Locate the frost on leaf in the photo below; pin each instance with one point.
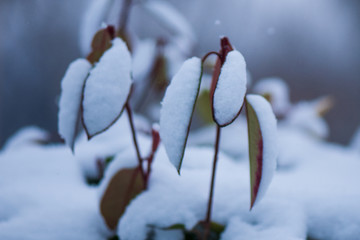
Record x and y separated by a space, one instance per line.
70 99
107 89
230 89
262 145
177 109
121 189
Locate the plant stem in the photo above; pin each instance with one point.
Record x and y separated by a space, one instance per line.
140 160
208 54
208 214
124 15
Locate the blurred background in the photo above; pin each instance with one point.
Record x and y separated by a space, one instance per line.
313 45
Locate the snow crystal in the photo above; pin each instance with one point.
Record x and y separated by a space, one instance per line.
70 99
177 108
267 122
230 89
278 92
107 88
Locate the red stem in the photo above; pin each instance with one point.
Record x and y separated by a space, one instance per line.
140 160
208 54
209 207
124 15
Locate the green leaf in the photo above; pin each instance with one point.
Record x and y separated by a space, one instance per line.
203 107
198 231
176 226
121 189
100 43
262 144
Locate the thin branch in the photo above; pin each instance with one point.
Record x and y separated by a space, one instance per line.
208 54
124 15
140 160
209 207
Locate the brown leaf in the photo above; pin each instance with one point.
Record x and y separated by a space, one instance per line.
100 43
125 185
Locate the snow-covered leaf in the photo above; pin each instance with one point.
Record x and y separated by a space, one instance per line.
107 89
70 99
177 109
100 43
230 89
123 186
262 145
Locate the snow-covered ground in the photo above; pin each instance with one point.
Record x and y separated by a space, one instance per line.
314 192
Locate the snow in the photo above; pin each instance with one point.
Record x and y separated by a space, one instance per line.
172 206
230 89
315 196
177 109
109 144
267 122
107 88
278 92
305 116
44 197
25 137
70 99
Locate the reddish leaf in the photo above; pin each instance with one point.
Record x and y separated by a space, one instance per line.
121 189
262 145
100 43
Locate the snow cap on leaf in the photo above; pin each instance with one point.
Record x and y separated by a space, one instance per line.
177 109
263 149
70 99
107 89
230 89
